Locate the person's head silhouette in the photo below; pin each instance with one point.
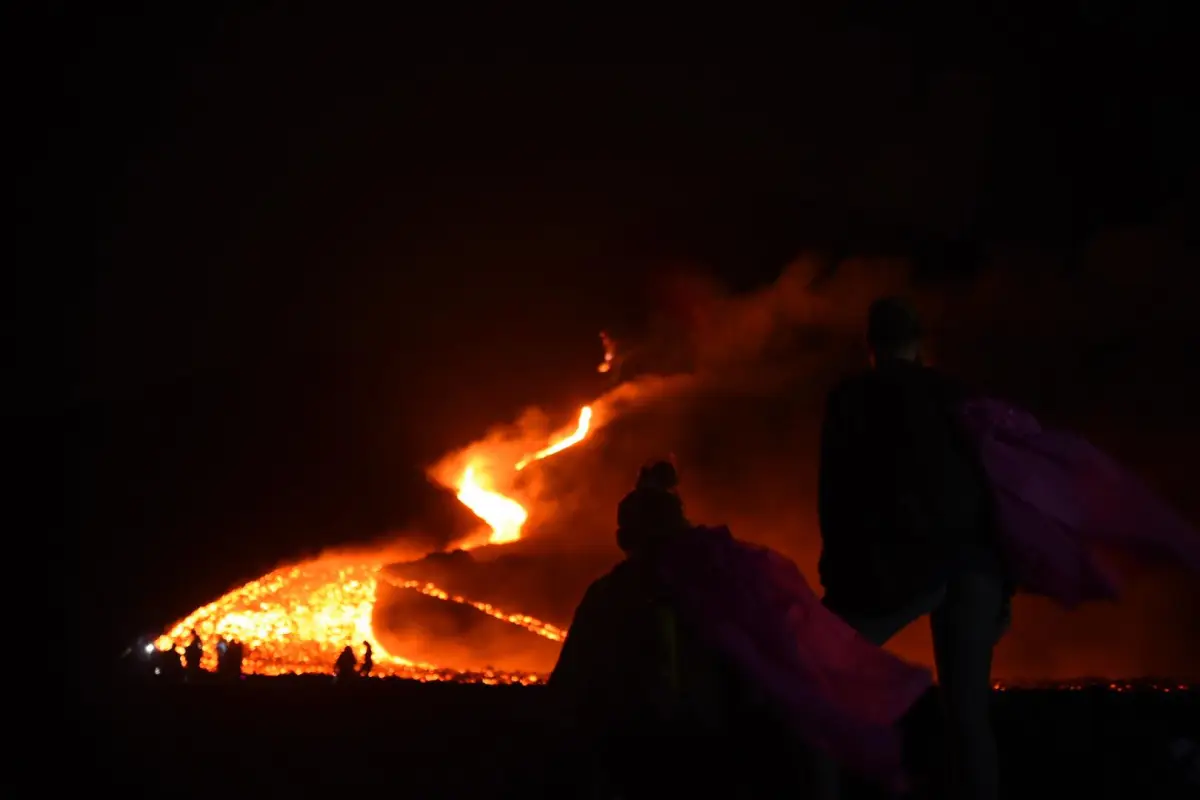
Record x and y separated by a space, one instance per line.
652 511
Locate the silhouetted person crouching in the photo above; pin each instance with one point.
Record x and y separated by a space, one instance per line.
660 710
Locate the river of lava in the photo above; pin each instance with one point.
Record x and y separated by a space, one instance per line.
297 619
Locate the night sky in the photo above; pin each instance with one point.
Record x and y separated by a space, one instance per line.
291 259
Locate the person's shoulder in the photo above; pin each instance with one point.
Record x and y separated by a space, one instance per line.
595 597
601 584
606 583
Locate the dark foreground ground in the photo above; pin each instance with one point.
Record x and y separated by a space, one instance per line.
306 738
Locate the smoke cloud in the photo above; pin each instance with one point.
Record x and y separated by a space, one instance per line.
737 393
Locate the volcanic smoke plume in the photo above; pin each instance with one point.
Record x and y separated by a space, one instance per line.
737 399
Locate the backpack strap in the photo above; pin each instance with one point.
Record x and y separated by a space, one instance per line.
668 626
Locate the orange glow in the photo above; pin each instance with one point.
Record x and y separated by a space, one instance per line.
543 629
298 619
581 431
504 515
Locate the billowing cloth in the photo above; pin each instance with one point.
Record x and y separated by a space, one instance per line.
1058 499
841 694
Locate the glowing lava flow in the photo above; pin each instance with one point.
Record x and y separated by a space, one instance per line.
581 430
502 514
298 619
531 624
295 619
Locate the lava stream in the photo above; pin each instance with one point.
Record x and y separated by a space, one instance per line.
504 515
531 624
581 430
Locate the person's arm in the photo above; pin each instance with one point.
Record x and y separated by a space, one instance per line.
584 690
576 659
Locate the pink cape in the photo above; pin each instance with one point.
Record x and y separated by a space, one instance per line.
841 693
1058 499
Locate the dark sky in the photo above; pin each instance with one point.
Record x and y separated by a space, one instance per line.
293 258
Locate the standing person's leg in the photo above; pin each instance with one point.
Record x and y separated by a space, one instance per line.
880 629
965 629
826 773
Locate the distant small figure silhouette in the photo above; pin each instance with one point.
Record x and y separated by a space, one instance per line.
230 654
192 654
345 664
167 664
368 663
237 653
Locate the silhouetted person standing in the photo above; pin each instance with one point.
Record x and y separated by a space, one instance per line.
193 654
237 653
169 664
906 530
368 661
345 664
230 653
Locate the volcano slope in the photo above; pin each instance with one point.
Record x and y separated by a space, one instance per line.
503 597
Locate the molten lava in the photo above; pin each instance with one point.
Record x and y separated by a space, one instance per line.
581 431
531 624
295 619
298 619
504 515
